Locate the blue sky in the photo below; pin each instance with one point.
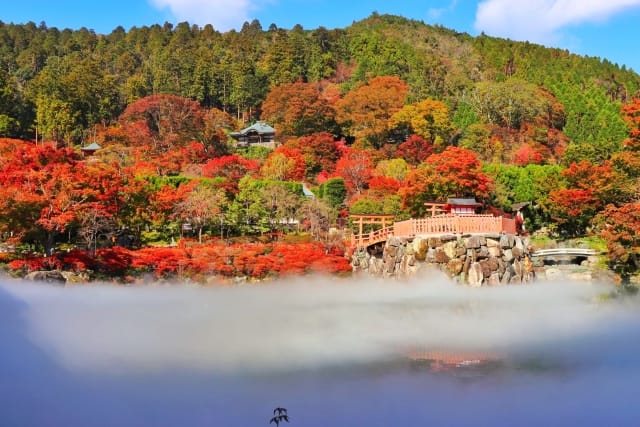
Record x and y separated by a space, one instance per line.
602 28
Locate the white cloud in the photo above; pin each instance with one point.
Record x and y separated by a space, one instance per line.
222 14
437 12
542 21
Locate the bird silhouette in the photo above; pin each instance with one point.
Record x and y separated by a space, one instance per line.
280 415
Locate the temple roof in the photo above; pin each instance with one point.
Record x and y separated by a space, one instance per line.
460 201
92 147
258 127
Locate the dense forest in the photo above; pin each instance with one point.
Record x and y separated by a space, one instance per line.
378 117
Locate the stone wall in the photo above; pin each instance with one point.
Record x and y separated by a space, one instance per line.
475 260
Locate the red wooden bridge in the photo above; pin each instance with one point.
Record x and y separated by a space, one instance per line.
433 226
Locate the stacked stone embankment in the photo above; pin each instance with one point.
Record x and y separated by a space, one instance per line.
475 260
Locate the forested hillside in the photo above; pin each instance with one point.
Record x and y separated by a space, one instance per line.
378 117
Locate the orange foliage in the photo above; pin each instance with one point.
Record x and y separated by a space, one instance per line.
526 154
367 110
631 115
414 150
620 227
356 167
256 260
297 109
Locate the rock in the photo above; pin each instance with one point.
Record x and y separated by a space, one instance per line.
394 241
552 273
493 264
507 241
506 278
486 268
502 266
494 279
461 251
584 276
434 242
431 255
475 276
495 251
454 267
474 242
376 266
516 252
390 266
450 249
420 247
493 243
517 267
507 255
441 256
466 266
240 280
54 277
391 251
471 253
411 260
482 252
73 278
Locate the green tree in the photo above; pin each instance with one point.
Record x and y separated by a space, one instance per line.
334 192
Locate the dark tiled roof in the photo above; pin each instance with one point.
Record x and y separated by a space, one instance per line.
463 201
92 146
259 127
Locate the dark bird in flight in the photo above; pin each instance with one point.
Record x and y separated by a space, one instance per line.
280 415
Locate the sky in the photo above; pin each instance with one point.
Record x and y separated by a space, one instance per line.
600 28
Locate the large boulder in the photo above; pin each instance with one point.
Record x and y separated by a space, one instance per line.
420 248
441 256
507 241
475 276
474 242
454 267
450 248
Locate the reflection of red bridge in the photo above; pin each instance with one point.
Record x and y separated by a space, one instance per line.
436 225
440 361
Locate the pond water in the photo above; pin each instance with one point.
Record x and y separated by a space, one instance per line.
331 351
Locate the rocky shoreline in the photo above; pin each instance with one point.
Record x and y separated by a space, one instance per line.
475 260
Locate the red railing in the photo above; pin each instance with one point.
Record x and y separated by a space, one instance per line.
450 224
373 237
440 224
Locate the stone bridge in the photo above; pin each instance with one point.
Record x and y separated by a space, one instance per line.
569 252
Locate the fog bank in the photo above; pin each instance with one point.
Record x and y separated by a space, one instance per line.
175 355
